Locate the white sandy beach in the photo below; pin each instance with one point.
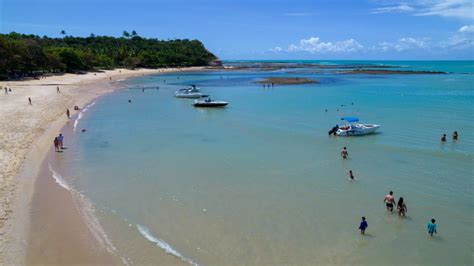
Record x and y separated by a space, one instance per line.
26 133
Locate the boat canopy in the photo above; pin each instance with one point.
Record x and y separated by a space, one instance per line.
350 119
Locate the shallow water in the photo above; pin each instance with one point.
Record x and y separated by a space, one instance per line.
260 182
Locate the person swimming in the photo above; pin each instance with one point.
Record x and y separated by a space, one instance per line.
432 227
351 175
363 225
344 153
443 138
401 207
389 201
455 135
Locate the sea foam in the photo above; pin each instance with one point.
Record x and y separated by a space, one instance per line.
163 245
87 211
79 116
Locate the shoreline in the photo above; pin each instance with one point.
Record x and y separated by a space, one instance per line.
26 140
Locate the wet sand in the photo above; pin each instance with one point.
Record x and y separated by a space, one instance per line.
57 233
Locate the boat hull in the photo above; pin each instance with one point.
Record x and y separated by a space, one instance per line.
188 95
210 104
359 130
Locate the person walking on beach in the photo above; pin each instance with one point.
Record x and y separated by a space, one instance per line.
351 175
29 100
57 90
68 113
6 90
61 141
56 144
344 153
432 227
443 138
455 135
363 225
401 207
389 201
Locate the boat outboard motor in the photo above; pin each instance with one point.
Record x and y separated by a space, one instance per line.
333 130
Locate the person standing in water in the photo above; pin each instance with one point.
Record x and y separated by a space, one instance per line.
61 141
344 153
443 138
455 135
56 144
401 207
351 175
363 225
389 201
432 227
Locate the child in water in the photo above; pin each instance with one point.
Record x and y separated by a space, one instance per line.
432 227
344 153
455 135
443 138
363 225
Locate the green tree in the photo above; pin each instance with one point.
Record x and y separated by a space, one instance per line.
71 59
126 34
22 54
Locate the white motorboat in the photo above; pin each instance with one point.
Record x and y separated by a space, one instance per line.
208 102
189 93
352 128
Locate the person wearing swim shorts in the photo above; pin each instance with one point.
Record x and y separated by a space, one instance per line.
344 153
389 201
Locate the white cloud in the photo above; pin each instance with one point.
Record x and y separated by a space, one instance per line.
276 49
393 9
467 28
457 42
402 44
315 45
461 9
449 8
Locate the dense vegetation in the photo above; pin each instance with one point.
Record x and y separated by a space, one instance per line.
29 55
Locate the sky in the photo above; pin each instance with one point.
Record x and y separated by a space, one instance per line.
266 29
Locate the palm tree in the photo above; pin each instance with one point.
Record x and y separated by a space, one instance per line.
92 35
126 34
134 33
63 33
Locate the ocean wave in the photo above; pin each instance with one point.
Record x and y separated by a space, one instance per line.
87 211
163 245
59 179
79 116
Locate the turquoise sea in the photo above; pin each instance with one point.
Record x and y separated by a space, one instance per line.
261 183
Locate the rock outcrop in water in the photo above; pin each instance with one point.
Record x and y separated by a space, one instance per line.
385 72
287 81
